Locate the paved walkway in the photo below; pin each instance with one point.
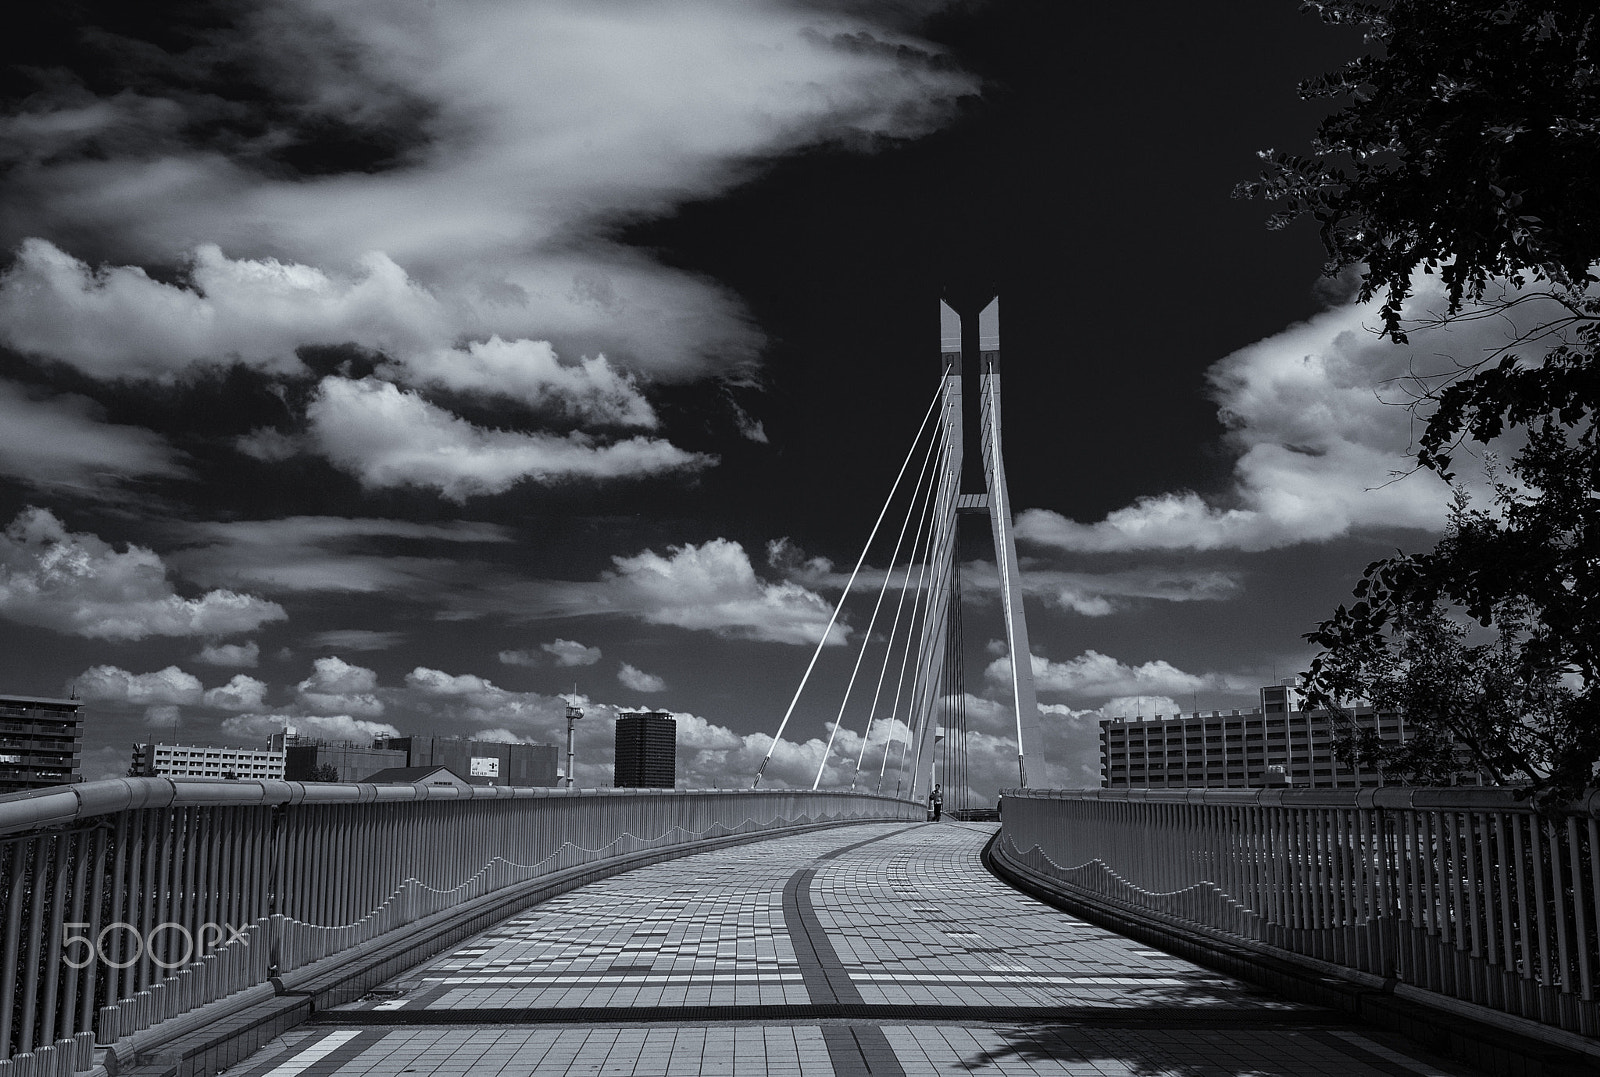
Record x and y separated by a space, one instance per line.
885 950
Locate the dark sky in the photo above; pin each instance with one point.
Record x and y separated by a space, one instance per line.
434 362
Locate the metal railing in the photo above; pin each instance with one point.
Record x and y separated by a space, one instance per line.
131 901
1466 893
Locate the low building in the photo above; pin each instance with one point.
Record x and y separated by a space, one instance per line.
1278 744
41 742
207 761
311 761
647 750
418 776
481 762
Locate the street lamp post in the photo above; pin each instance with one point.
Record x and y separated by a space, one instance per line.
573 714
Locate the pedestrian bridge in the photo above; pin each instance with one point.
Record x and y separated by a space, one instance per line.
278 929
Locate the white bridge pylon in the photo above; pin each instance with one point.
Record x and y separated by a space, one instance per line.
965 405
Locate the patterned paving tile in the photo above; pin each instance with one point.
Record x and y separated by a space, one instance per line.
801 938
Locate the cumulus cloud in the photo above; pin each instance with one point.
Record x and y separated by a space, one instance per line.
333 728
79 585
639 680
571 653
1093 674
242 693
231 655
111 684
1312 415
564 652
712 587
63 441
592 391
1139 706
439 683
388 437
337 687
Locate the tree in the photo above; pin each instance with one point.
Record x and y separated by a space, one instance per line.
326 772
1467 147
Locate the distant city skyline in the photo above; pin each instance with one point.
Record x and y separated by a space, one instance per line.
392 377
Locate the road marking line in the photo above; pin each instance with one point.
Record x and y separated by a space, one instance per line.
320 1050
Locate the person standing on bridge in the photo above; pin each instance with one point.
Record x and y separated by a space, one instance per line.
935 803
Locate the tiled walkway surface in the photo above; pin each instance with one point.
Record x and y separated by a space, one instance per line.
882 950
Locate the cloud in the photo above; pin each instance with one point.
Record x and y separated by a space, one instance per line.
79 585
117 321
525 133
639 680
565 652
242 693
1097 594
712 587
335 686
231 655
333 728
592 391
1312 415
63 442
163 716
332 554
388 437
110 684
356 639
1134 706
438 683
1093 674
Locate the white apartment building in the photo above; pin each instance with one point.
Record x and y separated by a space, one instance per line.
192 761
1279 744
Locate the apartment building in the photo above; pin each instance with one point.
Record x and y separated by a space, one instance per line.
195 761
41 742
1280 743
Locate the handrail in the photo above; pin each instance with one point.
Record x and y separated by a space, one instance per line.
133 900
1470 893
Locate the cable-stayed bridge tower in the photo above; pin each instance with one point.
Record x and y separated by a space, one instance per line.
974 482
962 475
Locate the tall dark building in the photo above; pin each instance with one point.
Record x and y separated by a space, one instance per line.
647 750
40 742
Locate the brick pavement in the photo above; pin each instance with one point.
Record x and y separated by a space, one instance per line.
884 949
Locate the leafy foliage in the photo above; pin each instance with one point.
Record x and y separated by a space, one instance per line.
1468 146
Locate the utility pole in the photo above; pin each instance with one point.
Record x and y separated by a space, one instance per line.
573 714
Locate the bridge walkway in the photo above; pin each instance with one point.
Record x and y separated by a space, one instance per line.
879 950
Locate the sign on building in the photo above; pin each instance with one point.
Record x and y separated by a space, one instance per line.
484 766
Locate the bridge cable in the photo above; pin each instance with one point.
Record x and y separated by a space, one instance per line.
866 637
911 629
935 615
778 736
918 610
926 498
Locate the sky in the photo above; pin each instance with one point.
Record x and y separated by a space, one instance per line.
417 368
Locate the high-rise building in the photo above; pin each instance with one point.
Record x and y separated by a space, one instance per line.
208 761
1278 744
647 750
41 741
